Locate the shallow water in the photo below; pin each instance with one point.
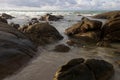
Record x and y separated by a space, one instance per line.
45 65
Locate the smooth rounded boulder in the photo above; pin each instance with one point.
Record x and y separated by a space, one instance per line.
80 69
15 50
61 48
42 33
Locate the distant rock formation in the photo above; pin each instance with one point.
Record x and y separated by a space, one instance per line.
49 17
108 15
6 16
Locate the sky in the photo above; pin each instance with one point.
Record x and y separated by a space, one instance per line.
61 4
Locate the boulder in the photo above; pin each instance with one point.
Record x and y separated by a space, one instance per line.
15 50
49 17
6 16
111 30
102 70
108 15
42 33
61 48
79 69
86 28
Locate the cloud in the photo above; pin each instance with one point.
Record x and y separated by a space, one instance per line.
60 4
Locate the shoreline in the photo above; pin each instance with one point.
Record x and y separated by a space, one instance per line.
47 62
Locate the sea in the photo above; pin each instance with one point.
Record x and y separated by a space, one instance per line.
44 66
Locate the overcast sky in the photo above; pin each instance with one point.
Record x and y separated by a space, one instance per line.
61 4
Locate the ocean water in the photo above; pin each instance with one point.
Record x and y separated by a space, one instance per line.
44 66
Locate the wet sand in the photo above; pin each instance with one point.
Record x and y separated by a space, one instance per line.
46 64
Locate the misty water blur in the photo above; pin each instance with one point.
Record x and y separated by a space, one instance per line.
44 66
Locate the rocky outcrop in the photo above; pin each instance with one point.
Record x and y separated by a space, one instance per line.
49 17
6 16
86 29
108 15
110 31
79 69
15 50
42 33
61 48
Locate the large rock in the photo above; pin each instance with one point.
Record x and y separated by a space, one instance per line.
49 17
42 33
111 30
15 50
79 69
108 15
6 16
61 48
86 28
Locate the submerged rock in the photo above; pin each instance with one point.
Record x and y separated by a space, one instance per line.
61 48
108 15
15 50
42 33
79 69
